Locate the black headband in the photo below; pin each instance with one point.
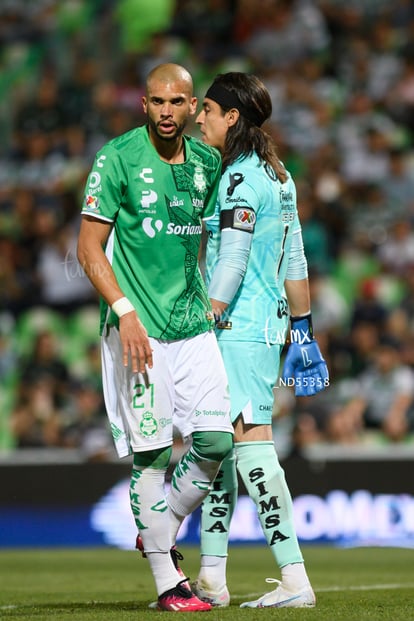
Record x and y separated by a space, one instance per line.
228 99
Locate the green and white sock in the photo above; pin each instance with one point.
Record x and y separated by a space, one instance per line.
190 483
151 515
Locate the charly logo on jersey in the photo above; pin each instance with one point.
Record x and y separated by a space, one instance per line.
146 175
234 180
199 179
244 219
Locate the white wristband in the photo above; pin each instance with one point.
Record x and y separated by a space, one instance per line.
122 306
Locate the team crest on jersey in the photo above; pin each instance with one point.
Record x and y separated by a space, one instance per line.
244 219
91 202
148 426
199 179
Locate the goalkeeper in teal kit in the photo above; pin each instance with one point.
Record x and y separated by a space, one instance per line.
257 278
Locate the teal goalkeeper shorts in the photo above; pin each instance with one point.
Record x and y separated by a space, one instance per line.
252 370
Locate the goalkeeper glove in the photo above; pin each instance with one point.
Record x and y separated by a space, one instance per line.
304 364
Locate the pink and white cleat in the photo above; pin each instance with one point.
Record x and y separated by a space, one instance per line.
180 599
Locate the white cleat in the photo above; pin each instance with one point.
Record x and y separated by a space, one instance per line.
218 599
282 598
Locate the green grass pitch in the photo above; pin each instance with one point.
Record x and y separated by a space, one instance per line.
107 584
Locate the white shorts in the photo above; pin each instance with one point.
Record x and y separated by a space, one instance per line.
187 390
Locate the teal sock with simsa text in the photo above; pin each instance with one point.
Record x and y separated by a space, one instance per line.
265 482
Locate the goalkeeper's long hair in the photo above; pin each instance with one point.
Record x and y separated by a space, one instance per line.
247 137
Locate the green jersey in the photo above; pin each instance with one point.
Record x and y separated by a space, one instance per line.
156 209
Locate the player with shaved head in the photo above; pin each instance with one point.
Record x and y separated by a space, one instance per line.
146 196
176 85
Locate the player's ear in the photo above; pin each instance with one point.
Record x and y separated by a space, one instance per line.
232 117
144 103
193 105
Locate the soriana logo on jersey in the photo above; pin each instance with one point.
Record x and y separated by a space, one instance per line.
152 226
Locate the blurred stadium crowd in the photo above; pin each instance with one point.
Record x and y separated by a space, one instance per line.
341 76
